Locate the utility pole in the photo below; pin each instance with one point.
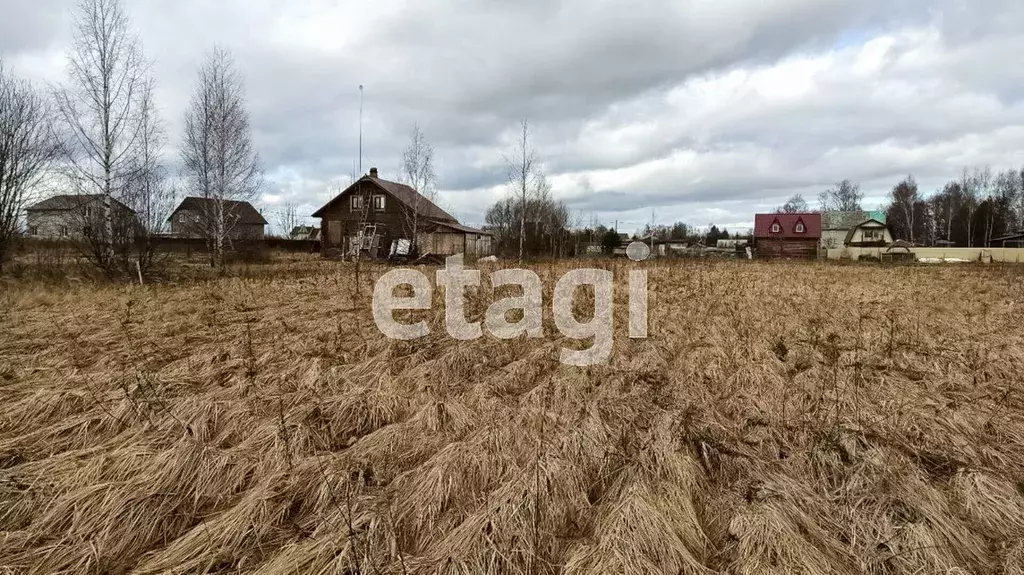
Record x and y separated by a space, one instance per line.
360 128
652 229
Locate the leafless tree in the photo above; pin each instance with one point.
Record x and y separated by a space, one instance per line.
417 172
793 205
27 148
904 198
552 216
101 110
148 194
219 162
151 196
549 218
129 241
988 191
971 185
845 196
1018 199
1010 192
522 177
288 219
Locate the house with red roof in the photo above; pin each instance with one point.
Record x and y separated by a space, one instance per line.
787 235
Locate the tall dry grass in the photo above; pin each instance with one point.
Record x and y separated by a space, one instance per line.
781 418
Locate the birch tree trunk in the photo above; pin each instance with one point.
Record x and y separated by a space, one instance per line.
521 177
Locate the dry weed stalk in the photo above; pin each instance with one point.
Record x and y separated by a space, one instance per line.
848 423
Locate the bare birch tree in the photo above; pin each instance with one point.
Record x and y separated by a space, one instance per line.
101 110
219 162
521 177
288 219
793 205
904 198
986 194
139 213
150 194
971 185
845 196
27 148
417 172
1018 199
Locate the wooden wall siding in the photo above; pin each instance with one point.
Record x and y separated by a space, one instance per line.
787 248
440 243
191 229
451 243
342 223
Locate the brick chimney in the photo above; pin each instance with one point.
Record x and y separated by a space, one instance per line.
373 172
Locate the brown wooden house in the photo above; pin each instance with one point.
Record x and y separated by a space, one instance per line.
377 217
787 235
194 218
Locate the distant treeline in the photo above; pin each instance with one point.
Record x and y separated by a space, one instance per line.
968 211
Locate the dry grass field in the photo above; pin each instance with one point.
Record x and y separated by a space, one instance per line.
781 418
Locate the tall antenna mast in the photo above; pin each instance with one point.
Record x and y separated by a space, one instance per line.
360 127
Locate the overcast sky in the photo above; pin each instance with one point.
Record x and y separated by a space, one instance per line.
695 110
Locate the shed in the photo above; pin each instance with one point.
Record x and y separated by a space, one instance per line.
1015 240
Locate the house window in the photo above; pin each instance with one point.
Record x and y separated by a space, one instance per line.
776 228
182 218
88 213
800 228
357 203
63 231
33 230
872 234
378 203
87 231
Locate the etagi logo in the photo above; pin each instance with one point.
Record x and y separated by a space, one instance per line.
455 279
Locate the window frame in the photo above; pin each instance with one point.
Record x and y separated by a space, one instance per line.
800 228
776 228
383 203
355 203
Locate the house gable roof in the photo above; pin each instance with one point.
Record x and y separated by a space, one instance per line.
788 222
244 211
68 202
846 220
409 197
303 230
853 230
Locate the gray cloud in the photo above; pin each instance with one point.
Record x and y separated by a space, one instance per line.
700 111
